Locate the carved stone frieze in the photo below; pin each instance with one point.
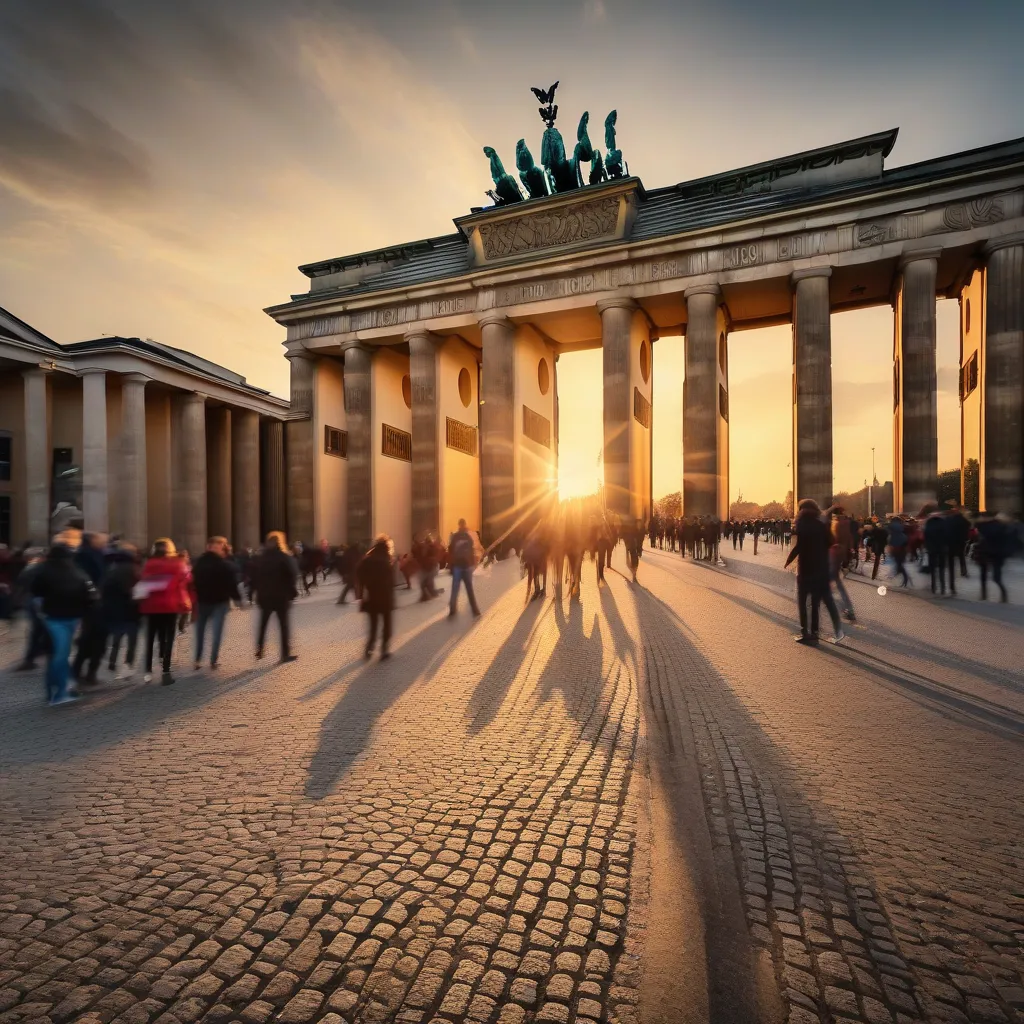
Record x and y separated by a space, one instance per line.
547 229
962 216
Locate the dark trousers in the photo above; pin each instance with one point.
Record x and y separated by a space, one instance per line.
937 567
877 559
92 641
958 554
996 565
160 629
281 611
128 630
38 638
385 637
815 591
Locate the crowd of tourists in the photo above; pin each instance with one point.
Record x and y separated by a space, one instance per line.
87 596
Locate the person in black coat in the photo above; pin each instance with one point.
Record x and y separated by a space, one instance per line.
811 550
216 583
274 573
92 637
65 595
376 574
936 542
119 607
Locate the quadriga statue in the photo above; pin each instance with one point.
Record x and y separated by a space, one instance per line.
613 157
562 173
529 173
505 188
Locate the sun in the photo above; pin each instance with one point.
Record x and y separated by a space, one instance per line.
579 474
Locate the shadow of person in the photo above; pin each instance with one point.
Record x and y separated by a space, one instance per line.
489 694
346 729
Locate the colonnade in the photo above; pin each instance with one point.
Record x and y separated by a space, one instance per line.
168 462
517 415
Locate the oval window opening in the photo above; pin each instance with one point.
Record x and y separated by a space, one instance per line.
645 360
465 387
407 391
543 377
967 317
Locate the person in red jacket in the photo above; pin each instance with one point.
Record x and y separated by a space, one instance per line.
163 589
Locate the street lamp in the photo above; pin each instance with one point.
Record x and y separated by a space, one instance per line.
871 498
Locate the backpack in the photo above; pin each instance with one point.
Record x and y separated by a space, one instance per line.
462 550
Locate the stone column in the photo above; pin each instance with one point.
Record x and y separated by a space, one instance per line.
917 441
616 322
812 391
300 448
189 447
218 471
701 470
358 362
38 459
1003 395
426 471
134 479
245 479
95 486
497 426
275 508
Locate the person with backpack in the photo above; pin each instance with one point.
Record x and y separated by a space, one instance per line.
462 556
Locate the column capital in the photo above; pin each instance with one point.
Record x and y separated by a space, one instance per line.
915 255
415 333
91 371
194 397
356 346
35 372
808 272
300 353
497 318
1004 242
135 378
617 302
703 289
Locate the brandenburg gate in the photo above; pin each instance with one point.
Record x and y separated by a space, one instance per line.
424 377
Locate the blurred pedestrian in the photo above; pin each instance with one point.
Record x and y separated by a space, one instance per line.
811 552
377 576
462 554
163 588
65 595
216 585
275 574
120 608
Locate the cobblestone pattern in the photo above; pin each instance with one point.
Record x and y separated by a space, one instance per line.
325 843
876 842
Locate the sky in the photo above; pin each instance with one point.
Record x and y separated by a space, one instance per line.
165 167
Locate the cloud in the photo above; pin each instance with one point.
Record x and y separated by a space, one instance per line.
594 12
61 154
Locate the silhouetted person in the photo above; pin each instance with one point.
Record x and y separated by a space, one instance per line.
811 551
377 576
274 575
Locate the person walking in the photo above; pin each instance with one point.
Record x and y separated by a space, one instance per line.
274 576
462 556
348 563
995 545
65 595
876 542
92 635
936 542
37 639
898 549
811 552
163 589
377 576
958 531
119 608
216 586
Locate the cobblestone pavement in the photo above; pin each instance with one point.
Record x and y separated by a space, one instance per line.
648 806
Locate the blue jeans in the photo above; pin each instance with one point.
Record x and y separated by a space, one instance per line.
214 614
462 574
62 632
